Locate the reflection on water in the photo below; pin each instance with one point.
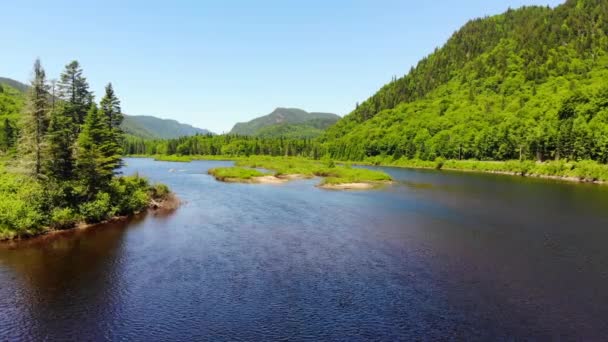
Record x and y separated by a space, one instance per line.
436 255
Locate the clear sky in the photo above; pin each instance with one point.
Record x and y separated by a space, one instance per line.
214 63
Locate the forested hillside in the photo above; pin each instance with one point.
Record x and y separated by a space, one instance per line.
529 83
11 104
288 122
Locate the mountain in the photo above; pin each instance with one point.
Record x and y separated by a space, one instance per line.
14 84
287 121
148 127
151 127
528 83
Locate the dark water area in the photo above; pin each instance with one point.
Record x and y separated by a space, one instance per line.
436 256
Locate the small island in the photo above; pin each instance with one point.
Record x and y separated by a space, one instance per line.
335 177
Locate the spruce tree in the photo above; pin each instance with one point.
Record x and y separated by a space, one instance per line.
35 122
7 139
73 89
60 150
90 160
110 108
111 115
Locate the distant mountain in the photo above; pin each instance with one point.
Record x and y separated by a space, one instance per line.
148 127
14 84
151 127
291 122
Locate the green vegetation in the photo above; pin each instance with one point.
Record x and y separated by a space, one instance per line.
225 145
528 84
332 174
585 170
63 154
227 174
287 122
11 103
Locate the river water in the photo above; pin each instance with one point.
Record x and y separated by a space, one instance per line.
436 256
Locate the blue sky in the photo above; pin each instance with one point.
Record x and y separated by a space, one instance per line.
214 63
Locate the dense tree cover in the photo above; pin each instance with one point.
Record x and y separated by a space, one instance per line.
11 103
309 129
528 84
69 150
228 144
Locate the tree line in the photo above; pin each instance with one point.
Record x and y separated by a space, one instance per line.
228 144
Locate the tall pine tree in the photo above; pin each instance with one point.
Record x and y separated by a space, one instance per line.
73 89
111 115
60 151
90 160
7 137
35 122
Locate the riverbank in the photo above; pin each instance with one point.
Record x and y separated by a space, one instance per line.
165 205
30 208
585 171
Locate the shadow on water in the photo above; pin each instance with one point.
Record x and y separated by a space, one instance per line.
70 279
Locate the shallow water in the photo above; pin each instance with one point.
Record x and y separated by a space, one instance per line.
437 255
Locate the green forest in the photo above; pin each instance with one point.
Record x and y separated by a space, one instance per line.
61 152
526 84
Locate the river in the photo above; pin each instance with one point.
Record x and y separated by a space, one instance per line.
435 256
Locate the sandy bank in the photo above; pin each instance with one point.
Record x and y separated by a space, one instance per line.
349 186
269 180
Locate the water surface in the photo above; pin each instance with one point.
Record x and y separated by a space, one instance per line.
438 255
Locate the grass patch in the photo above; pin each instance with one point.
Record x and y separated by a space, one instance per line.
226 174
332 173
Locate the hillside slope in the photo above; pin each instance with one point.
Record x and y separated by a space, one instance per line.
287 121
528 83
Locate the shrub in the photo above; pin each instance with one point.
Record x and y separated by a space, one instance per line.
130 194
159 191
62 218
97 210
439 162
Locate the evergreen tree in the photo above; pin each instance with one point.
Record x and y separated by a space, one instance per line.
7 139
73 89
110 108
112 116
60 151
90 161
35 122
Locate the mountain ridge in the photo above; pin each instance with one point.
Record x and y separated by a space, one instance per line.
284 119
